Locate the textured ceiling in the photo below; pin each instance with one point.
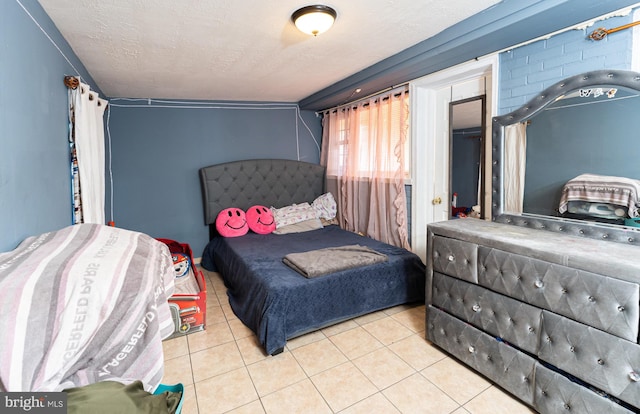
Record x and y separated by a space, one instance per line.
240 50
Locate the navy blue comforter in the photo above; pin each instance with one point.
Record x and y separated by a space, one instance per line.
278 303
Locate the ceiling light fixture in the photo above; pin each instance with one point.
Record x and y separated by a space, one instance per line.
314 19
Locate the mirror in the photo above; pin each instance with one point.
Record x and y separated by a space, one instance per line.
466 175
586 124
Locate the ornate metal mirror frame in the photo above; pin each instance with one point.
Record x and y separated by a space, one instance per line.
622 234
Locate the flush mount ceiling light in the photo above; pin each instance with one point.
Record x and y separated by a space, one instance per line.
314 19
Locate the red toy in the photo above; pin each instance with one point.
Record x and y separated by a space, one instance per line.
260 219
188 311
232 222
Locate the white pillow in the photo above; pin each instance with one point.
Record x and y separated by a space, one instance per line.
306 225
325 206
293 214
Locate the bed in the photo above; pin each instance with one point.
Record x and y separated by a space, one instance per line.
81 305
274 300
601 198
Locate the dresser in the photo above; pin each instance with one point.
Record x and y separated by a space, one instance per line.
551 318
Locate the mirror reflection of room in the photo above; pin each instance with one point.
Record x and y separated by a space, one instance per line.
466 158
581 157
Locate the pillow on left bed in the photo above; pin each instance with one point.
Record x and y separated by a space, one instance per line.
295 213
325 206
306 225
232 222
260 219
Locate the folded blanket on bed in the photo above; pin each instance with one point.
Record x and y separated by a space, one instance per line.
332 259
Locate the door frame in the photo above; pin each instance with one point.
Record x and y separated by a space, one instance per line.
430 135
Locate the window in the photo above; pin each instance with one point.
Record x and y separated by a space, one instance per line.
368 135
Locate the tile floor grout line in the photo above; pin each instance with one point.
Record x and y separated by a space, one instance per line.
358 324
311 380
246 367
193 379
446 393
244 362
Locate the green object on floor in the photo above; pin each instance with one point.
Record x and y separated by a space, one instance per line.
111 397
172 389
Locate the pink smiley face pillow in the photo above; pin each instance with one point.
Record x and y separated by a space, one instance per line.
232 222
260 219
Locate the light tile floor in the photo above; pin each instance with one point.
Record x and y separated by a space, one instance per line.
378 363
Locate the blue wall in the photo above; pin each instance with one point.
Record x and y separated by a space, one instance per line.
35 194
157 152
580 135
507 23
527 70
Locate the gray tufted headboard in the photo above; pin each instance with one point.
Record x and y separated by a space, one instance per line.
268 182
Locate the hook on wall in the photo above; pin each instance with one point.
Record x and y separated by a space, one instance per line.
600 33
71 82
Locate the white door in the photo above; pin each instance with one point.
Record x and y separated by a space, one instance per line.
441 199
430 98
442 195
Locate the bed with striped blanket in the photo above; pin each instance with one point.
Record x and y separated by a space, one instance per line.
84 304
592 188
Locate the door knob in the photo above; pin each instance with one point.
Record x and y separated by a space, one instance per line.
436 200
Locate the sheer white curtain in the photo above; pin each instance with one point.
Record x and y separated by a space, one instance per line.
87 109
363 148
515 154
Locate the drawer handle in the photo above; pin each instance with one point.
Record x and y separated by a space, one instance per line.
451 258
476 308
634 376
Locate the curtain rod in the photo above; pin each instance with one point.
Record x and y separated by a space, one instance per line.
600 33
354 102
71 82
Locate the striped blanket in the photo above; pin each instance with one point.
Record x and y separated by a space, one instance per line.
594 188
83 304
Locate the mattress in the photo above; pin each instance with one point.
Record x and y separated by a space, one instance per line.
278 303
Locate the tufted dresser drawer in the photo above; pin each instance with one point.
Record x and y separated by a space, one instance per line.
552 318
543 388
455 258
609 304
555 393
509 368
501 316
609 363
